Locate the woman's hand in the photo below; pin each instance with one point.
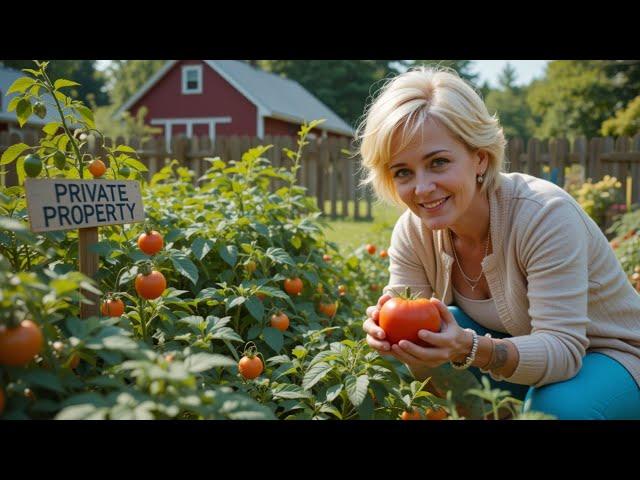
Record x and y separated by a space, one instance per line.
375 335
451 343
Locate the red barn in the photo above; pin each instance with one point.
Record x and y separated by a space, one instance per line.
229 97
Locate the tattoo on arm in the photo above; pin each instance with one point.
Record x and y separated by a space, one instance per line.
499 357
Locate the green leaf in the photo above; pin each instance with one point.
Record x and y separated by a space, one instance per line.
279 255
229 253
12 224
299 351
290 392
274 338
253 332
20 85
235 301
185 267
51 128
315 374
13 104
125 148
135 164
23 111
63 82
62 286
200 247
296 242
13 152
356 388
86 114
201 362
41 378
333 392
255 307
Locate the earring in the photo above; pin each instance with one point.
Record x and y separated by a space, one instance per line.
480 178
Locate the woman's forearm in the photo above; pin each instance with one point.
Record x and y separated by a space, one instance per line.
499 356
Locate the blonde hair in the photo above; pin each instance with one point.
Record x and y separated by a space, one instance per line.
402 106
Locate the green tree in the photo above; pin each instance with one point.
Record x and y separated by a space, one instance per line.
509 101
92 89
625 122
577 96
126 77
343 85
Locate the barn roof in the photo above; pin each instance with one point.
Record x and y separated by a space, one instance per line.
274 96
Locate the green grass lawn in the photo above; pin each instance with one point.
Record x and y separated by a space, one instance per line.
350 234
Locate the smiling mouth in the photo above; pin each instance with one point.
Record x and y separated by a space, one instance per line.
434 205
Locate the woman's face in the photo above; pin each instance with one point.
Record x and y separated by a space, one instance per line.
435 176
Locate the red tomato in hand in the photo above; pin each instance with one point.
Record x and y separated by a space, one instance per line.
401 319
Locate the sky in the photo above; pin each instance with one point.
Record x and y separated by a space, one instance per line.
526 70
489 70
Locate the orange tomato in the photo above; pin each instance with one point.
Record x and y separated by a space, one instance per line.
414 414
97 168
436 414
371 248
150 242
150 286
293 286
280 321
19 345
250 367
112 307
384 254
329 309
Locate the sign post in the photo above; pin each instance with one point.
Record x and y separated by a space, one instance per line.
65 204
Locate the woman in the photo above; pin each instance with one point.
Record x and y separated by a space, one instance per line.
508 255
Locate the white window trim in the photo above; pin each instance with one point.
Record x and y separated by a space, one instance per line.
168 124
185 71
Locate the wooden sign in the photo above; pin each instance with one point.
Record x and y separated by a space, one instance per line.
64 204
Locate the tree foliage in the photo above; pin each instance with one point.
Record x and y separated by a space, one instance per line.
92 88
126 77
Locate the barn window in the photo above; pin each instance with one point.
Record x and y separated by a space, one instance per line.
191 79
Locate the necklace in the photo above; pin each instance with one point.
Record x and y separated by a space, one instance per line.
472 282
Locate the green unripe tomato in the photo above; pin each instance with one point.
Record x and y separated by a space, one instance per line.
124 171
32 165
40 109
59 160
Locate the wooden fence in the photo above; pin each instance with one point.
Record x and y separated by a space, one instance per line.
332 176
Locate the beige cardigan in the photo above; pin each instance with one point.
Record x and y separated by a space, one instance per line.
556 282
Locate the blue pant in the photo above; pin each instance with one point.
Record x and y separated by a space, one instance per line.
602 390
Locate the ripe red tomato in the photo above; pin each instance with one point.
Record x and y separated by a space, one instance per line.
402 318
280 321
436 414
97 168
150 242
150 286
19 345
250 367
112 307
371 248
293 286
384 254
329 309
414 414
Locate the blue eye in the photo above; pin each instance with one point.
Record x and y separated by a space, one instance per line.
398 173
438 162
